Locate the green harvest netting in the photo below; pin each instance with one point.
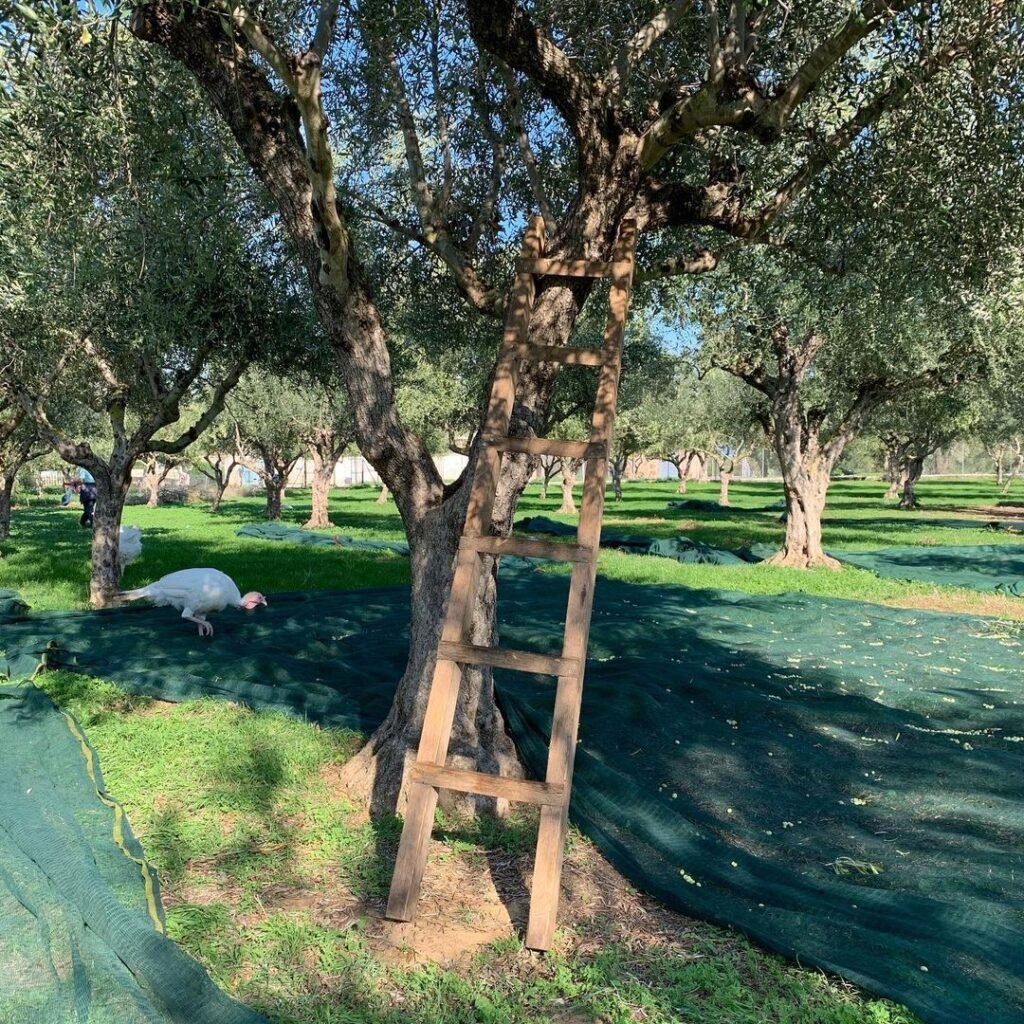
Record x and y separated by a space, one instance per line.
681 549
997 567
81 925
978 566
842 781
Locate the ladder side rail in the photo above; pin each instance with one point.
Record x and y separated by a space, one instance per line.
547 872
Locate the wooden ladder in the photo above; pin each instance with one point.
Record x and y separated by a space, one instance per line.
428 773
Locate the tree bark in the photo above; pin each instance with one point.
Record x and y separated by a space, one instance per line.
382 497
724 477
912 474
895 452
275 492
6 493
153 486
323 470
548 469
806 483
1018 465
112 484
569 467
615 468
479 739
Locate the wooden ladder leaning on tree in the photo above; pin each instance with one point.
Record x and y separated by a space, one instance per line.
428 774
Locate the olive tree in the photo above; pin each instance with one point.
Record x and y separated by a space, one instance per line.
708 127
138 291
269 411
822 365
216 454
917 427
325 428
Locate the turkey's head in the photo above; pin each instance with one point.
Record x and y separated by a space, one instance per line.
252 599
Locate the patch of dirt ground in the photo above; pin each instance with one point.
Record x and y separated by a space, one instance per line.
470 900
996 606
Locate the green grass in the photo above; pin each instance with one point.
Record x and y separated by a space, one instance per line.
268 871
46 558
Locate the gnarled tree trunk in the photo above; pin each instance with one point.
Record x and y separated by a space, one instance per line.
895 449
912 471
112 484
569 467
382 497
616 467
806 483
6 494
548 468
999 458
155 476
724 478
275 494
323 471
1018 465
219 476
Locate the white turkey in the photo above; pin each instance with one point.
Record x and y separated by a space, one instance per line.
197 592
129 546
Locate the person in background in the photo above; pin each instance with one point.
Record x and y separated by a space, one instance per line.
87 496
85 487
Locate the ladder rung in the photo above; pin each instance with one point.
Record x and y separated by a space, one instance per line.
524 548
548 446
516 790
504 657
559 354
566 268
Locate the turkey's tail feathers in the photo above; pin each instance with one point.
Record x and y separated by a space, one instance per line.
133 595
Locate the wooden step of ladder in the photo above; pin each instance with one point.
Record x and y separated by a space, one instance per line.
429 774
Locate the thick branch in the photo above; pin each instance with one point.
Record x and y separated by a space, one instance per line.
751 371
701 262
325 27
267 128
504 29
430 217
744 107
859 24
105 368
890 98
640 44
77 453
442 121
213 410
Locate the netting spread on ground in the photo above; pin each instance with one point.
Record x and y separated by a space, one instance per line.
840 780
997 567
81 926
